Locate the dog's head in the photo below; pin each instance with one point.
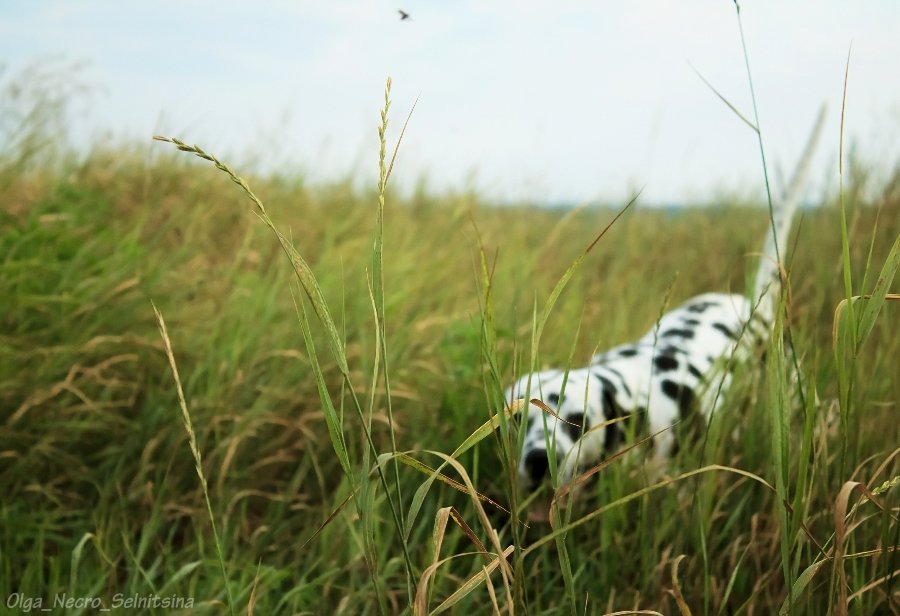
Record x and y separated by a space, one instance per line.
576 436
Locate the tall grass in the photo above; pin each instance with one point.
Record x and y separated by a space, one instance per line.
366 463
195 451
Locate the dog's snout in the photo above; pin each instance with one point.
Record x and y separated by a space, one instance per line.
536 465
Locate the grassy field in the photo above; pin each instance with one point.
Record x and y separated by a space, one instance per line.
433 310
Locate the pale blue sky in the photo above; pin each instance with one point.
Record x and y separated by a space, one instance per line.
522 100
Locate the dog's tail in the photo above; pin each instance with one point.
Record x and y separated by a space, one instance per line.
768 277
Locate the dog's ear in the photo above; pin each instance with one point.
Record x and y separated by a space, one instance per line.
576 424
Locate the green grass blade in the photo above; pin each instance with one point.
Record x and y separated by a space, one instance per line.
195 450
805 469
728 103
876 300
799 586
182 572
779 419
846 358
488 427
411 462
377 297
76 559
472 583
332 420
729 587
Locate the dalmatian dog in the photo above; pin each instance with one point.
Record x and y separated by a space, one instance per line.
677 368
681 366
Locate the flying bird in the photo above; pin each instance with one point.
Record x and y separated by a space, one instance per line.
403 14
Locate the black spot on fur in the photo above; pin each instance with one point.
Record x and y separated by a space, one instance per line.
615 436
690 322
695 371
553 399
575 426
628 352
537 465
611 410
682 394
681 333
725 330
664 363
640 416
700 307
609 398
618 375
